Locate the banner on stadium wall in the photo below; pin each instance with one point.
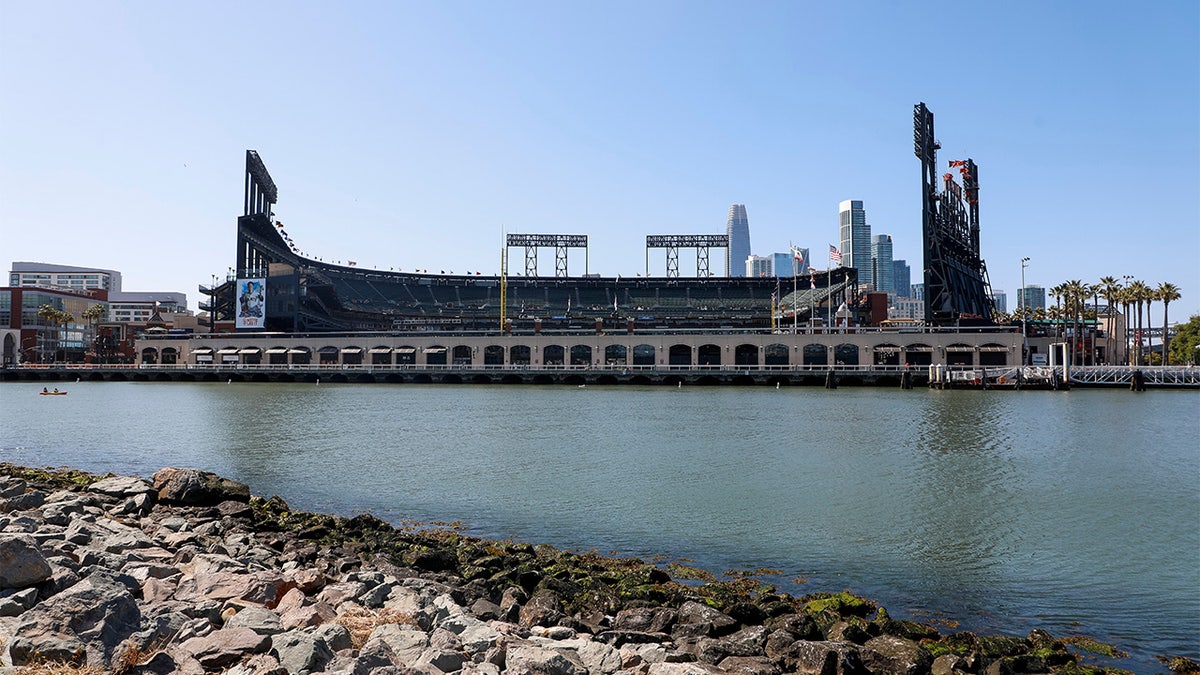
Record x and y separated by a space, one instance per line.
251 303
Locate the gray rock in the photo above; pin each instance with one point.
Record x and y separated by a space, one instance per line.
749 665
21 562
405 643
646 619
822 658
197 488
14 602
683 669
301 652
95 615
258 619
11 486
543 609
528 659
892 654
121 486
224 647
335 636
30 500
697 620
443 660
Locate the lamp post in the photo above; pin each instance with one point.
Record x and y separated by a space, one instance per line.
1021 306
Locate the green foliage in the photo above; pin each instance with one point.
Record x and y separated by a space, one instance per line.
1183 345
58 478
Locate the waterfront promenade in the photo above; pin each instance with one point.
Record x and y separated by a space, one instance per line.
956 377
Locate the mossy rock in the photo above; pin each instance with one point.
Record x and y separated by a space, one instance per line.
843 604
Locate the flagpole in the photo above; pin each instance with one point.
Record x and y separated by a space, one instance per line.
795 267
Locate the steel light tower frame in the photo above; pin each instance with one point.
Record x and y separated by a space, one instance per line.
559 242
956 283
701 242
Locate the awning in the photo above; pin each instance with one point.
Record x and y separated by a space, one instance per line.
351 350
297 351
228 350
251 350
380 350
202 350
277 350
204 357
434 350
993 348
918 348
406 350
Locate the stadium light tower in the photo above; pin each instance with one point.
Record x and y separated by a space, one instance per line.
1021 303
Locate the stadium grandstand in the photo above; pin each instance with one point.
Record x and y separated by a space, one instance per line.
299 294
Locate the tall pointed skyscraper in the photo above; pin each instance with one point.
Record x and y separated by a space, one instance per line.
738 229
856 239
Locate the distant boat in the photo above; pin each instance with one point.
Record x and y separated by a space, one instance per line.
52 393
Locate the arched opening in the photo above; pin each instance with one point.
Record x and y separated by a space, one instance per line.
960 355
352 356
301 356
150 356
816 355
617 355
493 355
327 356
170 356
918 355
405 355
776 355
251 356
435 355
277 356
845 354
519 355
886 355
708 355
380 355
643 355
680 355
745 355
553 355
581 355
461 355
989 355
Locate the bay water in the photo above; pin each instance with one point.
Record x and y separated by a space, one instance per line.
996 511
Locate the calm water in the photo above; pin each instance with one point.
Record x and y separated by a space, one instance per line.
1074 512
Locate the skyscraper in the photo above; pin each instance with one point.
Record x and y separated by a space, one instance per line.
738 229
855 239
758 266
882 269
902 274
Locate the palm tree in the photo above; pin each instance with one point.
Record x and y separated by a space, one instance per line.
93 315
54 318
1167 292
1141 294
1109 286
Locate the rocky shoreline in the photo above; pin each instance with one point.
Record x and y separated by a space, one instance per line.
190 573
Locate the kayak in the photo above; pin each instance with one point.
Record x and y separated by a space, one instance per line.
52 393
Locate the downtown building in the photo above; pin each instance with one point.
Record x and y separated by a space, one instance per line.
737 227
882 268
855 238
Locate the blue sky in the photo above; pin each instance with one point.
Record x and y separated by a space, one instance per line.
410 135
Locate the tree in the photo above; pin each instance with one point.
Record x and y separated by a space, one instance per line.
1167 293
1141 293
54 318
1110 287
1187 340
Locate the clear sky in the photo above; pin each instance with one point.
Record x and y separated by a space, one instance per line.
409 135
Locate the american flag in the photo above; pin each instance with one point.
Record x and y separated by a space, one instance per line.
834 254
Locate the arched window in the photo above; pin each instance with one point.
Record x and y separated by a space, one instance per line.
616 355
519 355
845 355
493 355
581 355
816 355
643 355
886 355
552 355
776 355
680 355
745 355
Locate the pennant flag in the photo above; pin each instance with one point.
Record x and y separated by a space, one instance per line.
352 263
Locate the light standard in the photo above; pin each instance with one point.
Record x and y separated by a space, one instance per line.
1021 308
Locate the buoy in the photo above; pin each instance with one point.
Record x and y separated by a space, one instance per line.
776 385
